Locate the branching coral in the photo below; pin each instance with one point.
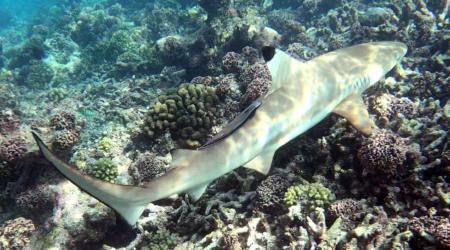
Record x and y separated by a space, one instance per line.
57 94
163 240
105 144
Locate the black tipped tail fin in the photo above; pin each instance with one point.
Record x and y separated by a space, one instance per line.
128 201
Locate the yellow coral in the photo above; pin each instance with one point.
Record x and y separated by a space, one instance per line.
105 145
309 196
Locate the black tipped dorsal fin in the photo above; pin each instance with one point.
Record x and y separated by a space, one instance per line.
268 53
282 67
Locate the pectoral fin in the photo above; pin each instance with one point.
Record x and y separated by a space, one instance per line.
261 163
196 193
354 110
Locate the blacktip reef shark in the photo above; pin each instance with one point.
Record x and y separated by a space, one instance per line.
301 95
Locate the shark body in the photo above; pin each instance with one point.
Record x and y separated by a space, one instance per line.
301 95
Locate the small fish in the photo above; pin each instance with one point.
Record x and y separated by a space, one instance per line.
86 112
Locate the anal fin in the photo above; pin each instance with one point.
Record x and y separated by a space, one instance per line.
261 163
354 110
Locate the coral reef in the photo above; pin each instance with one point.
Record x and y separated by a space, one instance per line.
434 229
104 169
15 234
188 112
383 153
270 193
13 149
309 196
163 239
146 168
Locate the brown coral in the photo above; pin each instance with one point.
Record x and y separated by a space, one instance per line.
66 138
383 152
270 194
146 168
232 62
348 208
63 120
438 227
15 234
9 121
13 148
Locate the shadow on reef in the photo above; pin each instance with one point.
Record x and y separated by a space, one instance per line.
117 236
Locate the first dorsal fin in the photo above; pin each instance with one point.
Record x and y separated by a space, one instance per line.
354 110
281 65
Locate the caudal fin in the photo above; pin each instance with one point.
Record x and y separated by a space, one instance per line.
128 201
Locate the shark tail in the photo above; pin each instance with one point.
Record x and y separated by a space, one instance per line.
127 201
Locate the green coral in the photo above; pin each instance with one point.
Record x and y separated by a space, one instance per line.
164 240
105 145
309 196
57 94
104 169
188 112
120 43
